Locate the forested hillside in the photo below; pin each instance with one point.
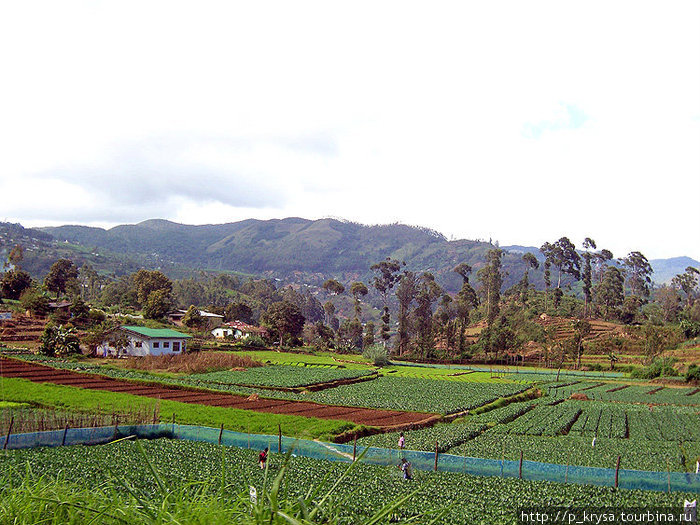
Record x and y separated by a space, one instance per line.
305 250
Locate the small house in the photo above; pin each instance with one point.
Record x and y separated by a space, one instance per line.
141 341
210 320
238 330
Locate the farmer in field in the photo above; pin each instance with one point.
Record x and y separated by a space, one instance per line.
263 458
405 467
402 441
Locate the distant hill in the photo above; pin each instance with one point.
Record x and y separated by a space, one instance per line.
292 250
312 250
667 269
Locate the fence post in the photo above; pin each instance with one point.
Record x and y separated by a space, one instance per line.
436 454
354 448
279 443
520 468
65 431
9 431
154 414
173 429
221 432
617 470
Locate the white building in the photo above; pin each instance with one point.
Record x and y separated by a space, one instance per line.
238 330
147 341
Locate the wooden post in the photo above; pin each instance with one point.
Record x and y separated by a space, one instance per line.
9 431
354 448
436 454
279 443
668 470
520 468
155 408
221 433
65 431
617 470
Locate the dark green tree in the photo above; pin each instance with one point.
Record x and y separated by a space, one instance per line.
157 305
60 275
688 282
386 276
531 262
491 278
587 274
639 273
405 293
333 287
427 292
34 301
238 311
358 289
14 283
609 293
283 318
368 338
146 282
193 318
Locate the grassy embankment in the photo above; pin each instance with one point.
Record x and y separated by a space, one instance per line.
71 398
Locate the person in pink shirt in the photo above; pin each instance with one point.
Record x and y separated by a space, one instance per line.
402 441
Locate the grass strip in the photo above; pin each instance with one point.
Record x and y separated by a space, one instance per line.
66 397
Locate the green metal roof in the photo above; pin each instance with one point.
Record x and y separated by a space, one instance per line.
157 333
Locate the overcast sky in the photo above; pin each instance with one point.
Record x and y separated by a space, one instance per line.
516 121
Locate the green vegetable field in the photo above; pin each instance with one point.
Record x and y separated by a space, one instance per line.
229 473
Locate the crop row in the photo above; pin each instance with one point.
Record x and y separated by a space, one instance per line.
544 420
446 435
270 375
278 375
577 450
421 395
365 489
631 394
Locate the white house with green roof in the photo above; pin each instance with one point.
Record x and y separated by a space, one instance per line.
147 341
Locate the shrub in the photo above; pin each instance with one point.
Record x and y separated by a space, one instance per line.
59 340
693 373
658 368
377 354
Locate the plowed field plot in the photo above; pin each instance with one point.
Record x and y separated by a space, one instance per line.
40 373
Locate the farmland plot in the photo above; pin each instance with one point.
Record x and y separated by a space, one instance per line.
367 488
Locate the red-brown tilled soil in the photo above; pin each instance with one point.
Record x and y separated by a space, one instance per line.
363 416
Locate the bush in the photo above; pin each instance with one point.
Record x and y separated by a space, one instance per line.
59 340
35 301
658 368
377 354
693 373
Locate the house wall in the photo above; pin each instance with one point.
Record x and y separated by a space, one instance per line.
227 332
146 347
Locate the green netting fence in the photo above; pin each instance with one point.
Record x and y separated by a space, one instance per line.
530 470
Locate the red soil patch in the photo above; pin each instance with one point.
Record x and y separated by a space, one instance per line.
362 416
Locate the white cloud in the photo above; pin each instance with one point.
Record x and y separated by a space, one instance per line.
519 121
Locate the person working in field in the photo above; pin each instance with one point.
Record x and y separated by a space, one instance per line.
405 467
263 458
402 441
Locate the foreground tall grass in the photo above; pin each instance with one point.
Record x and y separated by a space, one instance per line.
43 499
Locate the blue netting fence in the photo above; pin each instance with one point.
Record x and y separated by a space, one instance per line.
530 470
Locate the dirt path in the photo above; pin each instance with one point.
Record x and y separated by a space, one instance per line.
361 416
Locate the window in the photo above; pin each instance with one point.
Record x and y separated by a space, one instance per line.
138 344
166 344
156 344
176 346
